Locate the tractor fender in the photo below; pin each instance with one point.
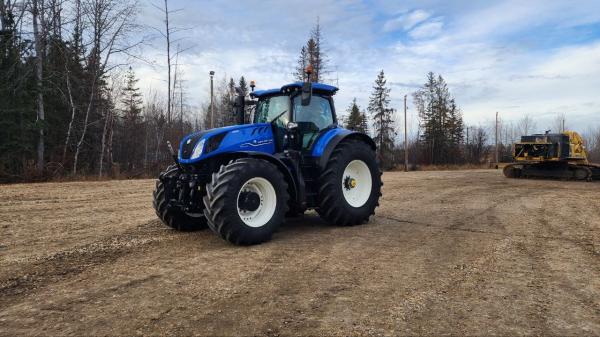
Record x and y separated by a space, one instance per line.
287 174
332 138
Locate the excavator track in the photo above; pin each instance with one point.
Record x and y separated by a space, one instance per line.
561 170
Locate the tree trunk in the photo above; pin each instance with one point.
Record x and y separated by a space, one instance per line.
103 142
159 137
168 37
145 146
73 110
85 126
39 76
109 143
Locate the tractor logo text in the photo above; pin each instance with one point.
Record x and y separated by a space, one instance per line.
256 143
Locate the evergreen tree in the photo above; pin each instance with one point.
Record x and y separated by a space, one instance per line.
313 56
16 98
364 123
312 53
243 85
441 122
132 99
229 99
245 91
383 121
231 87
300 74
356 119
317 57
132 139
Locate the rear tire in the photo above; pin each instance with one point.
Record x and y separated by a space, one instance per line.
171 216
345 198
231 215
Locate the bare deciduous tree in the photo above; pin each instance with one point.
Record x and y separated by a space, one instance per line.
526 125
592 143
77 35
560 123
167 35
110 22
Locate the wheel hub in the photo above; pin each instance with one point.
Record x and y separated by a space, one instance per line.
249 201
349 183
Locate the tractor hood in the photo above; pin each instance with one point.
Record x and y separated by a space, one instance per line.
238 138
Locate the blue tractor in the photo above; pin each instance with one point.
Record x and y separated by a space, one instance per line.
242 181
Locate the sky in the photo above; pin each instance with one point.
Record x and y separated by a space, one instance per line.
536 58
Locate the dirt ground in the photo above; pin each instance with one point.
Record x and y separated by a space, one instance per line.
463 252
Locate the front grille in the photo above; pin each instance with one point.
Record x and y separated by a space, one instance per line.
214 142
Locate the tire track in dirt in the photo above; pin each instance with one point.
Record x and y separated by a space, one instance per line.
530 245
270 283
39 272
538 283
468 230
540 253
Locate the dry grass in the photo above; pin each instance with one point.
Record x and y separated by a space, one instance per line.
446 167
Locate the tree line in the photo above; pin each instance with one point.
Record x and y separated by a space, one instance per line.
443 138
57 85
441 131
71 106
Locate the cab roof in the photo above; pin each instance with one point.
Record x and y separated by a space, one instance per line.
317 87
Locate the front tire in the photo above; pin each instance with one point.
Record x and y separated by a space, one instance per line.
246 201
171 216
350 185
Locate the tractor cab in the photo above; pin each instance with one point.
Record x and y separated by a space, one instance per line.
297 118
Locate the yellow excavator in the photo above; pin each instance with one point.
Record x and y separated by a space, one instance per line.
552 155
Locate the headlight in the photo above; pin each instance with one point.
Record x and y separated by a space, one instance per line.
198 149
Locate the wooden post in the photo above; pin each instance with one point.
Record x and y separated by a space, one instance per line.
212 104
405 139
496 137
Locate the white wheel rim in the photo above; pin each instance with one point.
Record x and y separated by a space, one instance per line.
268 202
357 183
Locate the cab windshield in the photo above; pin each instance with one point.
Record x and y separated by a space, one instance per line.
269 108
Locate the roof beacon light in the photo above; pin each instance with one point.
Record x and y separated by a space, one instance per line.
309 69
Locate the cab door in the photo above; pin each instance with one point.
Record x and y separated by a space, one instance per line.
312 119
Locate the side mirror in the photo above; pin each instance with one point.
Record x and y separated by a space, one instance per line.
306 93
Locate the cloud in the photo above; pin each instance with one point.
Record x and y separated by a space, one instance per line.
489 52
427 30
406 21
